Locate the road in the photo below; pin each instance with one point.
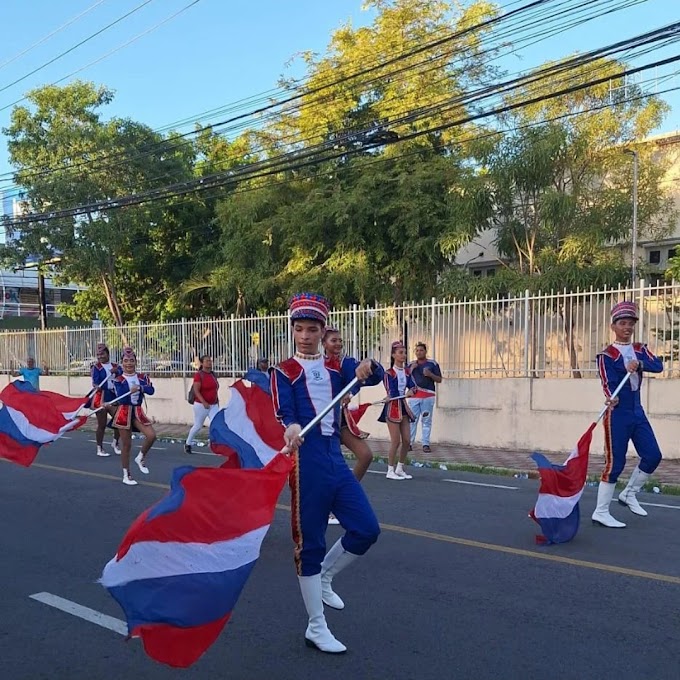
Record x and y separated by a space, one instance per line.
455 587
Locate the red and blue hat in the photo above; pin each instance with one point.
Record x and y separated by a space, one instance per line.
624 310
308 306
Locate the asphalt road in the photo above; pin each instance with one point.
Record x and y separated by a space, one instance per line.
454 588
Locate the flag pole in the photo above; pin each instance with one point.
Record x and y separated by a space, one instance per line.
320 416
113 401
89 396
614 395
387 401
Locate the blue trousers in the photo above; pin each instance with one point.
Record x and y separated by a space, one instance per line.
321 483
420 407
620 427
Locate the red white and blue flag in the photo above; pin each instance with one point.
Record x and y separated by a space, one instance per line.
30 418
246 431
557 507
183 563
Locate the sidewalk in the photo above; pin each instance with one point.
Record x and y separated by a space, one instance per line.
502 461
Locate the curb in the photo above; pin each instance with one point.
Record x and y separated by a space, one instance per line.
652 486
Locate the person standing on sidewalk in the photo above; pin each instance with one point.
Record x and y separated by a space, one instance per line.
625 420
31 373
206 400
426 375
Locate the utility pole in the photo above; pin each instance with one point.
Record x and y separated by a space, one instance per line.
633 268
42 300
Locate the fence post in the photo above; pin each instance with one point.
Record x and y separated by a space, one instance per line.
290 334
526 333
434 329
355 334
184 354
641 306
232 332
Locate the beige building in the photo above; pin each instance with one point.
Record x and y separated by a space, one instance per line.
481 257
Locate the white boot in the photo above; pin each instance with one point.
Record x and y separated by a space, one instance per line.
139 459
629 495
400 472
127 479
336 560
101 453
391 474
601 516
116 448
317 633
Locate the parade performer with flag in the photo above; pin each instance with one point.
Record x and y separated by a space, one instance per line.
103 374
625 420
321 482
129 415
30 418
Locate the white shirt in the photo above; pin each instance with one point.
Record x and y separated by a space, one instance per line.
401 380
109 383
628 354
134 380
320 390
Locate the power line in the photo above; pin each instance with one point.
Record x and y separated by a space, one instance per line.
177 140
50 35
308 158
76 46
113 51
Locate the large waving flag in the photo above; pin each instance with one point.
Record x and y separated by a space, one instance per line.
557 509
183 563
246 430
29 419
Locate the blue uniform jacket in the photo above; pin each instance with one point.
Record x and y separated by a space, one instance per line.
122 388
612 370
292 402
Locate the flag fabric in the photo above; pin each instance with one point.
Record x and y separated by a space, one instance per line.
557 507
353 414
183 563
246 431
30 418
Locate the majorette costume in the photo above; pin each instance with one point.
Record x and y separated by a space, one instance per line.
99 371
397 381
626 422
130 408
321 482
349 417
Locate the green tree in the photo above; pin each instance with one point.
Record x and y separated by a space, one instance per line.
65 154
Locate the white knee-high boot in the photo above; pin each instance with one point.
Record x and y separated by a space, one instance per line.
317 633
628 496
602 516
336 560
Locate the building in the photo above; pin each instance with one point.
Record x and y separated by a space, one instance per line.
480 257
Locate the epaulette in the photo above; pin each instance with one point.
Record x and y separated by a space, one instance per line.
291 369
611 352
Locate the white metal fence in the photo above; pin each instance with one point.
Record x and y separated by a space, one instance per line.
542 335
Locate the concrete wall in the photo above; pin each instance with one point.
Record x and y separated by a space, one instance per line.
510 413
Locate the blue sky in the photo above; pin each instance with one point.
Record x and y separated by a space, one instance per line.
220 51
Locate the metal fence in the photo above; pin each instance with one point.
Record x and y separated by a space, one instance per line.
543 335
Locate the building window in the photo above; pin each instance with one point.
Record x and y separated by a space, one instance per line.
477 273
654 256
672 252
491 272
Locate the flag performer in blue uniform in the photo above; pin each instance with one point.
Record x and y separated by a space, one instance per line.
321 482
625 419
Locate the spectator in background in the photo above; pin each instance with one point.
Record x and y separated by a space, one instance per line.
426 375
31 373
263 365
206 400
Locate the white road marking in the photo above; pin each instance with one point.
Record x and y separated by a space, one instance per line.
493 486
91 615
662 505
376 472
